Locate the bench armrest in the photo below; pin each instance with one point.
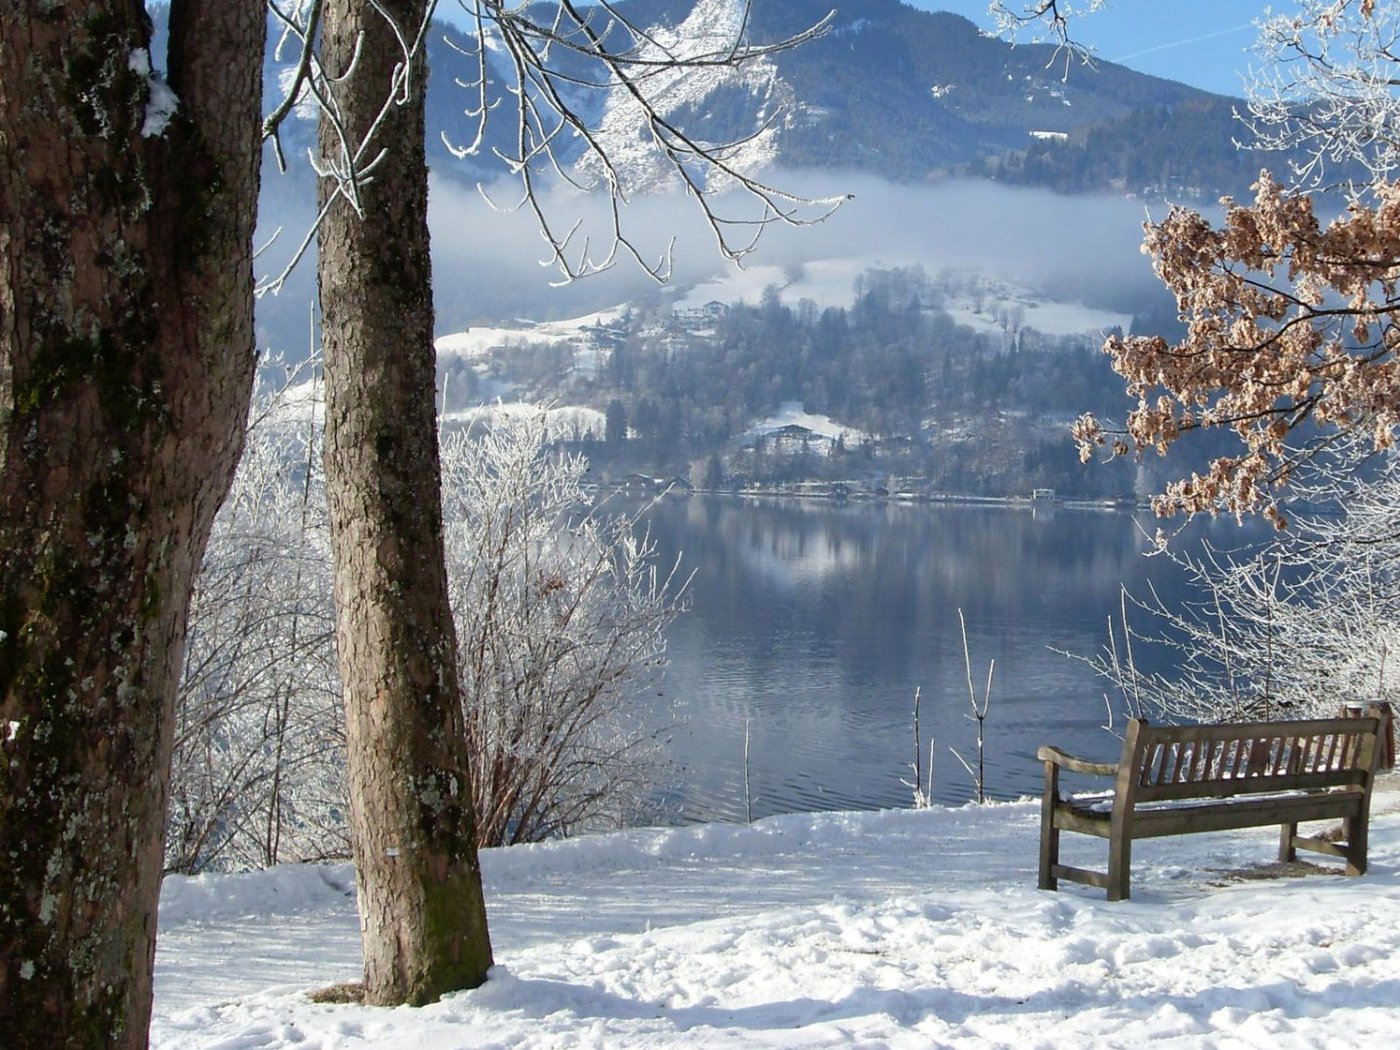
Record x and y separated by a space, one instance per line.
1076 765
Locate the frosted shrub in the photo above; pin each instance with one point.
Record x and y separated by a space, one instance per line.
259 750
561 612
1292 628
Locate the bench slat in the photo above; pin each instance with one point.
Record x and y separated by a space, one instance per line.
1337 778
1252 813
1175 751
1239 757
1249 730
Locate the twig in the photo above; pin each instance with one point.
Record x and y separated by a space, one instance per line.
748 796
979 714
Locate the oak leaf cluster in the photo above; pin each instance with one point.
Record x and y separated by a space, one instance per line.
1291 327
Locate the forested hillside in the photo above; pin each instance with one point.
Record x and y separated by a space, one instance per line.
908 96
982 407
1181 152
911 97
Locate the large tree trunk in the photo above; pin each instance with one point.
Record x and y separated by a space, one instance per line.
421 911
126 360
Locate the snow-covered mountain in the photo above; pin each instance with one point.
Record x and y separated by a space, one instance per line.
885 105
888 89
911 95
760 103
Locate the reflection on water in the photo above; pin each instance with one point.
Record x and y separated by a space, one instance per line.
812 623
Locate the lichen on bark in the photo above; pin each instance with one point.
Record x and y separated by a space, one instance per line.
125 370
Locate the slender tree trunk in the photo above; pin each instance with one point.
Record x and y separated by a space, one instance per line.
421 910
126 359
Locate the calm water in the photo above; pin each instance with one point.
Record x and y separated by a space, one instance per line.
813 623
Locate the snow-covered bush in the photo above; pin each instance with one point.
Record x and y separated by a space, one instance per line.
259 751
1291 628
561 613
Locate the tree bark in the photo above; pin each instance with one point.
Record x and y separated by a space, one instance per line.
126 361
422 915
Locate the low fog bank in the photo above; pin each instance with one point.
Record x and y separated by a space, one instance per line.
492 264
1082 248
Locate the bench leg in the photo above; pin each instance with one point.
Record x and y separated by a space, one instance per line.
1049 834
1120 859
1049 852
1355 829
1287 852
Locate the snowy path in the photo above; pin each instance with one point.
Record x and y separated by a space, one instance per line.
897 929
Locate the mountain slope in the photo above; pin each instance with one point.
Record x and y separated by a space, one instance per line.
911 95
904 94
890 91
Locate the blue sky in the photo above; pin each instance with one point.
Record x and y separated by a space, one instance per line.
1204 43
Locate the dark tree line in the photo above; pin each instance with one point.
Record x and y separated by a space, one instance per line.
894 366
1157 151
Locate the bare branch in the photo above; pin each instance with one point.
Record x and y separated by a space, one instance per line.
1047 21
547 66
640 71
302 28
1291 627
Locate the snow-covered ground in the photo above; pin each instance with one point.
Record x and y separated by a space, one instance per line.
979 301
1006 309
735 286
791 413
479 340
892 929
570 421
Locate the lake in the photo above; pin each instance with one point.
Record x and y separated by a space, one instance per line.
813 622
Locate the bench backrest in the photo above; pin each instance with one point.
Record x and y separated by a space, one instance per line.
1218 761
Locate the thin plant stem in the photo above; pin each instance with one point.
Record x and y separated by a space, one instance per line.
748 795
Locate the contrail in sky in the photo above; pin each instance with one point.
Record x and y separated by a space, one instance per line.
1181 43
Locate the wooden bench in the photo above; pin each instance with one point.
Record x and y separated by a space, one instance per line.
1176 780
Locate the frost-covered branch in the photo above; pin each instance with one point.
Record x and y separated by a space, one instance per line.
344 158
550 68
299 28
1046 21
545 69
978 715
1293 627
561 613
259 751
1327 90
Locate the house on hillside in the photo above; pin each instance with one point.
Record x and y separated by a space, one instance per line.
714 310
794 438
